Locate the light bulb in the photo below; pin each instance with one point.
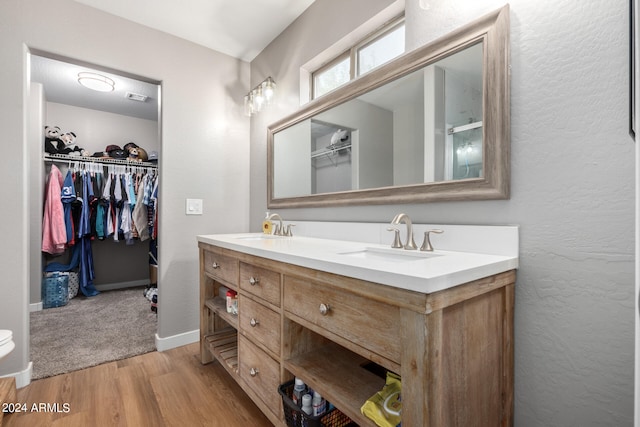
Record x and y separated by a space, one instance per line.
247 106
269 89
258 99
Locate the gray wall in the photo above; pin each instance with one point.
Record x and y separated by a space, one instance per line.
572 189
374 161
204 147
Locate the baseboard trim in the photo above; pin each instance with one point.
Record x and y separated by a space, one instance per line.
122 285
23 378
167 343
103 287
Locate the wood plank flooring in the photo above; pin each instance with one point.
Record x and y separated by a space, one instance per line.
165 389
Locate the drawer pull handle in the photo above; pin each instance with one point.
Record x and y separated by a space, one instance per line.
253 281
253 322
215 265
253 372
324 309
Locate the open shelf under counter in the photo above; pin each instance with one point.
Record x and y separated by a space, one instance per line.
218 305
224 347
340 376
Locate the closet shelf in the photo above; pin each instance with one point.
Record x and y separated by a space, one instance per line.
63 158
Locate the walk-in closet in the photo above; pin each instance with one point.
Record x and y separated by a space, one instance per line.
94 154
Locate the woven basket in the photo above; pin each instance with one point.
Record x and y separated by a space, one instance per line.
294 417
55 289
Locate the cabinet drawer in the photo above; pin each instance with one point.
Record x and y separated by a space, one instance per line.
260 282
222 267
260 372
370 324
259 323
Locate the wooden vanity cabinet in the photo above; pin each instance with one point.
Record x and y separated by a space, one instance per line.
246 344
453 348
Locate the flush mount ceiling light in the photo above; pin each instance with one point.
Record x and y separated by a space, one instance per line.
96 82
259 97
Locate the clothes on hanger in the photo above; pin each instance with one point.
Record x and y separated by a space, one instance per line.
91 204
54 236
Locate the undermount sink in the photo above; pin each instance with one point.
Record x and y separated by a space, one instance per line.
393 255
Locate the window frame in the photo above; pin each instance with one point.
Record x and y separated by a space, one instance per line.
332 63
373 38
352 53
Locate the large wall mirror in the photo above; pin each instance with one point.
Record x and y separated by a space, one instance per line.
432 125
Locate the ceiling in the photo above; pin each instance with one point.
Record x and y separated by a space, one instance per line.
60 82
239 28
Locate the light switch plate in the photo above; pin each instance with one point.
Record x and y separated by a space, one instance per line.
194 207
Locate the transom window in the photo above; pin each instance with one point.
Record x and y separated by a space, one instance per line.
371 52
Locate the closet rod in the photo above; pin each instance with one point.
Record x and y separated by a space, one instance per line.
61 158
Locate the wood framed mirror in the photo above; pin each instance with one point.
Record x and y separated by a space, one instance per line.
431 125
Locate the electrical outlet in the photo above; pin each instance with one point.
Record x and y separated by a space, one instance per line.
194 207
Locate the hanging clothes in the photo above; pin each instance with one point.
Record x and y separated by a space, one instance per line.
54 236
68 197
88 205
140 212
125 211
87 274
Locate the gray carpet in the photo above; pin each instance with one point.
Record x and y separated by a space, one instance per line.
89 331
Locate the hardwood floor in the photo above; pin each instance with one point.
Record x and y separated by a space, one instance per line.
169 389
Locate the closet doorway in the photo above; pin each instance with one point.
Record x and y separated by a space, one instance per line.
104 125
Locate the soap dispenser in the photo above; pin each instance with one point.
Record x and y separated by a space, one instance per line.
267 225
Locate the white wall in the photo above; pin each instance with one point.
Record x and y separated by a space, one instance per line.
409 144
204 146
572 189
435 134
95 130
35 174
293 177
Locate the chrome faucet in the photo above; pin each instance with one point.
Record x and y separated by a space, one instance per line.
404 218
278 230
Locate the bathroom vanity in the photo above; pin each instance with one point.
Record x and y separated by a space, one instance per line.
340 314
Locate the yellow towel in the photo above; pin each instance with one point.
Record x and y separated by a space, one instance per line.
385 406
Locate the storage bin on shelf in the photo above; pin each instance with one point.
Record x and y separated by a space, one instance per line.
295 417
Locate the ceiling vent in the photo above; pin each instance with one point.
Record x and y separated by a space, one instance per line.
136 97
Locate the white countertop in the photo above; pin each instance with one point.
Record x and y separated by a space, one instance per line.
424 272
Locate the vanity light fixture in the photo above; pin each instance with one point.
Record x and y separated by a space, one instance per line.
259 97
96 81
466 148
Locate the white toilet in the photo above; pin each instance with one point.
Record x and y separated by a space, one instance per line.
6 342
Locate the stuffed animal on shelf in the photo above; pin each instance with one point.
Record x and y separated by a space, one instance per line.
142 154
115 152
134 155
67 142
67 145
51 139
